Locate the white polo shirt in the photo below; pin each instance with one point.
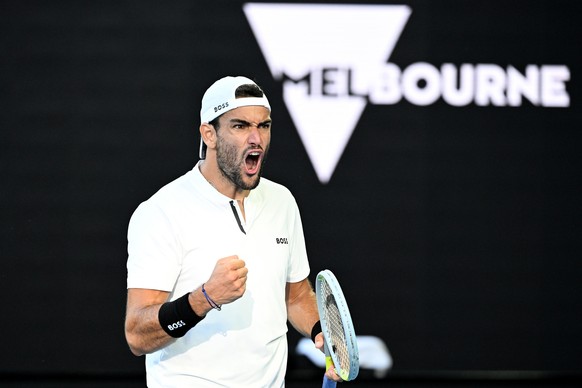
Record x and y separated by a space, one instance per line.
174 241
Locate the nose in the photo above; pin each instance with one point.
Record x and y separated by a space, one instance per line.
254 135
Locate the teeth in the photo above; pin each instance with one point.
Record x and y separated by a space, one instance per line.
254 154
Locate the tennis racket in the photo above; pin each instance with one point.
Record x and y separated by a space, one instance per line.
340 345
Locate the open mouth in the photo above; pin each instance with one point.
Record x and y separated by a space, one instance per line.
253 162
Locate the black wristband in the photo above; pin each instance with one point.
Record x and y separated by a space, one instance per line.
315 330
177 317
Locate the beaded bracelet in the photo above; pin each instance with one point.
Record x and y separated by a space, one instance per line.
212 303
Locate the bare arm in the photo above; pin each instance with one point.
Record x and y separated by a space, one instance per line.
143 331
301 306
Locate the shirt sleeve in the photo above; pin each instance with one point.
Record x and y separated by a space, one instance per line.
153 253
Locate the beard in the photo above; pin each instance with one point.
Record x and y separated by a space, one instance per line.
230 164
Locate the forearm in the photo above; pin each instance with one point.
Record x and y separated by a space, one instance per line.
302 307
144 332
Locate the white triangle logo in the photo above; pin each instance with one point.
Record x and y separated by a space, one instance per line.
324 55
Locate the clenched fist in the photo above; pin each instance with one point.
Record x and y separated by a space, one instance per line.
228 280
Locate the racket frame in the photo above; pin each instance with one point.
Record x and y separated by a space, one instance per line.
348 328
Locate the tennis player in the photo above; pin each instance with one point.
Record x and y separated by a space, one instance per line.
217 262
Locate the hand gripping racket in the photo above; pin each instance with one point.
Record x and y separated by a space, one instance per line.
340 345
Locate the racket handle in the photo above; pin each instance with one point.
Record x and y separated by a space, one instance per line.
327 383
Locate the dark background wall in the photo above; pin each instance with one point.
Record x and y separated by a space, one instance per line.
455 231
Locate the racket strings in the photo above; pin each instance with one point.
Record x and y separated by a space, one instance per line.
335 329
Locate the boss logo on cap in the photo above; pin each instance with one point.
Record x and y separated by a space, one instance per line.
220 107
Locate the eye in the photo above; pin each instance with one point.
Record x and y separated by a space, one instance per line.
239 125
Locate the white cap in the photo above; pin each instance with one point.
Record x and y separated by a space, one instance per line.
220 98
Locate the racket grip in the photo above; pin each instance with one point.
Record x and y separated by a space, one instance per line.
327 383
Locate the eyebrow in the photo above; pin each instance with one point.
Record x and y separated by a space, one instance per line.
244 122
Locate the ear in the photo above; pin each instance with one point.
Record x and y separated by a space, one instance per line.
208 134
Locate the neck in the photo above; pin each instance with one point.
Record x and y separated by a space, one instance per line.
223 185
